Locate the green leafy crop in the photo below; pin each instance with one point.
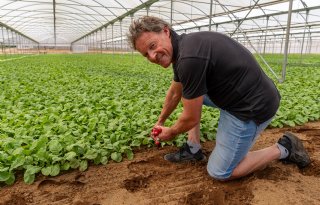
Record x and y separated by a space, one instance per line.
61 112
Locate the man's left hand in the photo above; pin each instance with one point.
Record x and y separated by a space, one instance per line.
166 133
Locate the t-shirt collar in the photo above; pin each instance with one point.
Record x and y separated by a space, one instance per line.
175 44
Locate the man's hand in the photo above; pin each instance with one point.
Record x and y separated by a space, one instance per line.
164 135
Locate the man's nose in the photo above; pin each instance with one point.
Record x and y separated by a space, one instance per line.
152 56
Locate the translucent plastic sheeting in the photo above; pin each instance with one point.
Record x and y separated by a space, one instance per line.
106 21
42 20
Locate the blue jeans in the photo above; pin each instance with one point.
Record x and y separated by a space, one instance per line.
233 141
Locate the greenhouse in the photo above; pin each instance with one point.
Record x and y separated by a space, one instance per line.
81 109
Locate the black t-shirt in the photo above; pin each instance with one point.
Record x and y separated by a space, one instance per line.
212 63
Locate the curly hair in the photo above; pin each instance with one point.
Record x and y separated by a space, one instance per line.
145 24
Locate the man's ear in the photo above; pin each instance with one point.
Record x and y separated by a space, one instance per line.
166 30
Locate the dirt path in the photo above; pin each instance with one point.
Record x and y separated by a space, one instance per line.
148 179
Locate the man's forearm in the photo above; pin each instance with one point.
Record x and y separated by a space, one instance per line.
172 99
184 124
189 118
170 104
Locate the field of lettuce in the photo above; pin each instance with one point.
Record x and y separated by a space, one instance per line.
61 112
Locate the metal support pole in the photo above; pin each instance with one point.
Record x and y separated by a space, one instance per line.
13 36
147 8
93 43
171 12
86 40
38 48
265 36
101 41
23 46
9 42
258 47
89 39
304 34
112 40
105 28
282 42
285 58
96 43
87 43
19 43
310 44
290 43
3 44
273 45
131 48
210 17
54 23
121 35
237 33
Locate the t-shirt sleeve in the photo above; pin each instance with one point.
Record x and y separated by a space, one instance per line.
175 74
191 72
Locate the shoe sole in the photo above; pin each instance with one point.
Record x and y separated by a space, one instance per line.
299 155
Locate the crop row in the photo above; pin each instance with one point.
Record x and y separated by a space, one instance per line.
61 112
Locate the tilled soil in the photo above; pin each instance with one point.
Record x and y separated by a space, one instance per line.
149 179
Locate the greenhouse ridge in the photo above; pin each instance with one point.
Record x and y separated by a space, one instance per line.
31 26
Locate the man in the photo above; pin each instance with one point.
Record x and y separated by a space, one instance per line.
213 69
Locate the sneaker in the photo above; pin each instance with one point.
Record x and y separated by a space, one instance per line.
185 155
297 153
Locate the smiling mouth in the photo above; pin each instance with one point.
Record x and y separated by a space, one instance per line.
159 58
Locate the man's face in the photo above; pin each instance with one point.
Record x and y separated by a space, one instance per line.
156 47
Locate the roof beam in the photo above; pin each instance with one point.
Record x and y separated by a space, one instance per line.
256 17
18 32
131 12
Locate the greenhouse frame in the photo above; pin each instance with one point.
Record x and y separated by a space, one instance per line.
219 104
102 25
97 26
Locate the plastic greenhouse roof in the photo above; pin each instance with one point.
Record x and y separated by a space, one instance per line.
65 21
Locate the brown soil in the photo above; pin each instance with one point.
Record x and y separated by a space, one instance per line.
148 179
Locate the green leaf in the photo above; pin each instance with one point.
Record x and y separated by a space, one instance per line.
40 143
74 164
28 177
32 169
55 170
29 174
55 147
4 176
70 155
19 161
11 179
147 141
46 171
104 160
91 154
18 151
83 165
42 155
129 154
291 123
101 128
65 166
115 156
92 123
135 143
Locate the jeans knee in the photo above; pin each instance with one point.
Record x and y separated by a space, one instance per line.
220 176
